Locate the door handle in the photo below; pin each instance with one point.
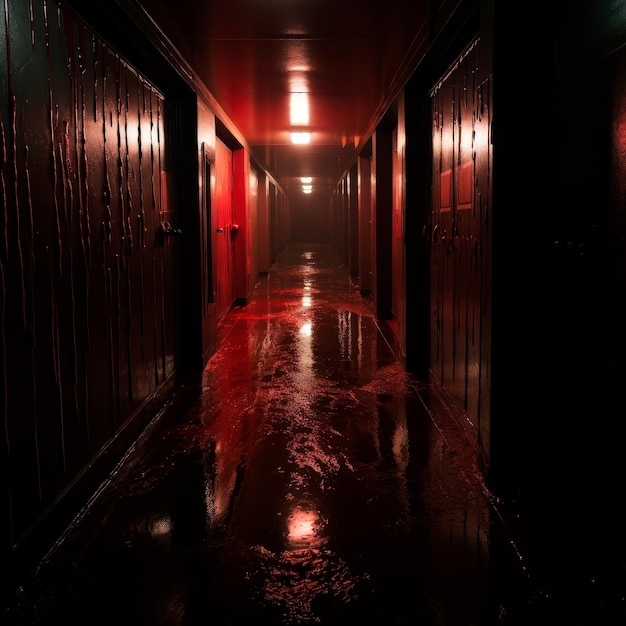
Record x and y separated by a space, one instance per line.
166 230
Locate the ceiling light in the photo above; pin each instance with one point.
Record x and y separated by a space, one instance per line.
300 137
299 108
306 179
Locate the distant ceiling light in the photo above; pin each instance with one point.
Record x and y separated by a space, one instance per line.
306 179
307 187
300 137
299 107
306 190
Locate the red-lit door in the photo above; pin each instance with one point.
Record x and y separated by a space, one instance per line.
442 251
222 220
461 245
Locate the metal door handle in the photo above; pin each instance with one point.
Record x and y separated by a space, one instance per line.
167 230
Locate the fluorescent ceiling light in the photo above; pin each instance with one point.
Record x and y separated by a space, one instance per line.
300 137
299 108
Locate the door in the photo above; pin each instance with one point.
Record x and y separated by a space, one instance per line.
461 246
223 218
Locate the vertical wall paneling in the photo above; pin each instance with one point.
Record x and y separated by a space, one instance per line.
441 274
354 221
365 221
87 280
461 248
337 219
283 221
273 212
206 232
239 227
382 223
224 260
207 268
254 243
333 220
345 219
480 366
400 201
397 238
263 223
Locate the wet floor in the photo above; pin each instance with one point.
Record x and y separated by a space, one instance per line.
304 479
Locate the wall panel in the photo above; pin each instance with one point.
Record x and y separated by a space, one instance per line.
89 315
461 244
223 215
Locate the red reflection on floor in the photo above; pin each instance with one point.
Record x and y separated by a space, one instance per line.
306 478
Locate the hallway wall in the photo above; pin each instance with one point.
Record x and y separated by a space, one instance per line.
460 228
526 280
514 274
223 218
88 262
108 266
207 278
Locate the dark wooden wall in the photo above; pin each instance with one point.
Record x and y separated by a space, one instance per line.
89 301
460 232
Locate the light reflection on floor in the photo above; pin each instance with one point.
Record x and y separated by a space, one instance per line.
304 483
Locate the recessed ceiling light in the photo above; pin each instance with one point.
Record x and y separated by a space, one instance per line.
299 107
300 137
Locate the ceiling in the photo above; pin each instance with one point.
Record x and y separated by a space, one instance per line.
347 59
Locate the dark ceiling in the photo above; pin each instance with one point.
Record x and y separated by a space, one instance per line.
349 59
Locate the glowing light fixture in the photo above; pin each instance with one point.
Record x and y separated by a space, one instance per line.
300 137
299 108
306 179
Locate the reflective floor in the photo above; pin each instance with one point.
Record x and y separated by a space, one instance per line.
305 479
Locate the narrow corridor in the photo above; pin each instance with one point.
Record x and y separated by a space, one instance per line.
306 479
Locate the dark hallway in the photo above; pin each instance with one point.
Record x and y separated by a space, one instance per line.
420 420
306 479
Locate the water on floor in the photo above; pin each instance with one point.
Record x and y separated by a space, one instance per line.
304 478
